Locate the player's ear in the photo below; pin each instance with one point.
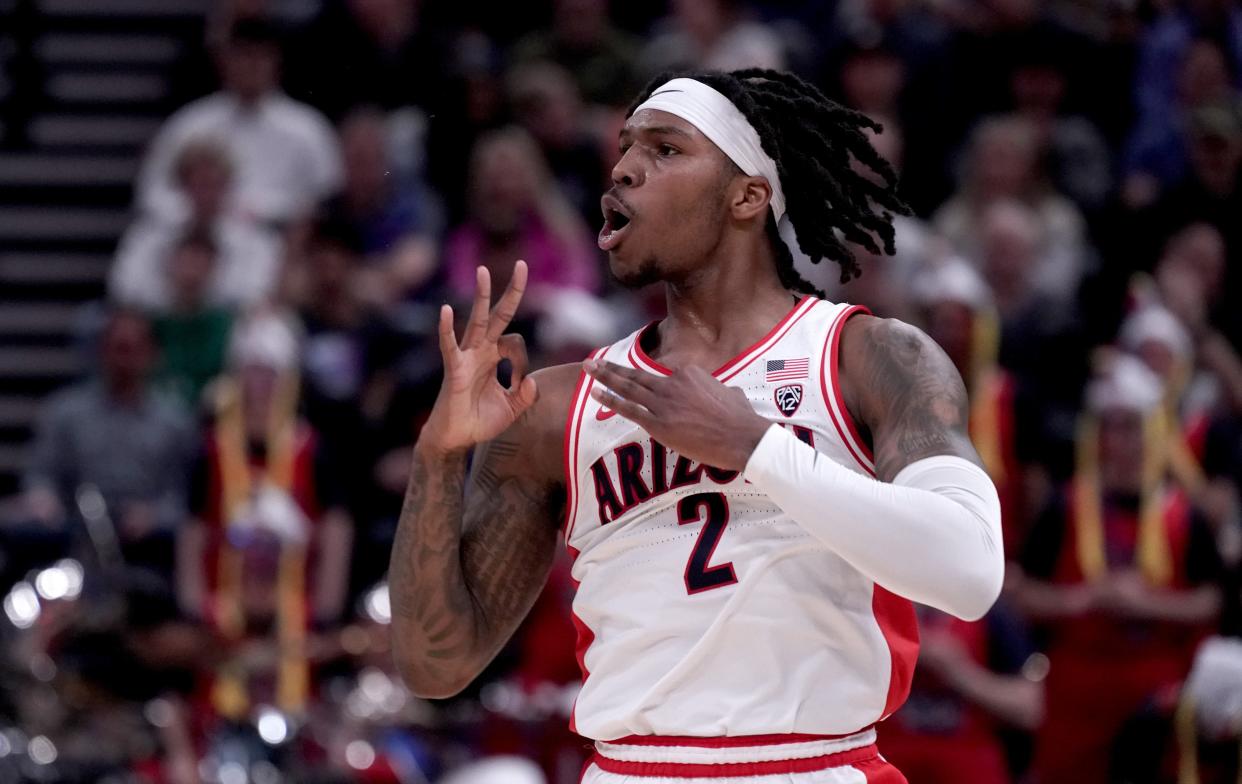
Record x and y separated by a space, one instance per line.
750 197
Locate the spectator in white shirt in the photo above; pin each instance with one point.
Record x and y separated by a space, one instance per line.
286 152
249 256
1004 163
713 35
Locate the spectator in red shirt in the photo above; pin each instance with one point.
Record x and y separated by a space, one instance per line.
1121 573
267 553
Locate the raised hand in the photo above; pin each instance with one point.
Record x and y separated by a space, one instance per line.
472 406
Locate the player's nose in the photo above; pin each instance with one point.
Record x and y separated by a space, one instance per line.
628 171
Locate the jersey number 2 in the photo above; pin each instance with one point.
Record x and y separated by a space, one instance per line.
691 509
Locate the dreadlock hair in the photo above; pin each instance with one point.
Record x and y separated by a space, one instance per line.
813 141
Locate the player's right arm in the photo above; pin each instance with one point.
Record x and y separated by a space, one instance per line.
468 563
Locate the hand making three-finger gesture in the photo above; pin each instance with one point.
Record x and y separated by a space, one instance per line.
472 406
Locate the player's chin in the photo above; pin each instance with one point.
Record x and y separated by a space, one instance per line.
633 270
620 259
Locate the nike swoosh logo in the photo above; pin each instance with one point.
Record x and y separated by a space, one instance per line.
605 413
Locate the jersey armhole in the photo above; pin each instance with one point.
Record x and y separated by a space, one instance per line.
829 379
573 430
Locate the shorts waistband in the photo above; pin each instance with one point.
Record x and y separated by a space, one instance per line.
734 756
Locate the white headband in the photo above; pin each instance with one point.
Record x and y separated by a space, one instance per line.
724 124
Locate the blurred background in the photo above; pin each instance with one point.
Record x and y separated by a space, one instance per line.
225 228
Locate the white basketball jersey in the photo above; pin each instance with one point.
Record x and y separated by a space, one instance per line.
702 609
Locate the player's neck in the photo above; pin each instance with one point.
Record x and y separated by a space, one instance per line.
724 307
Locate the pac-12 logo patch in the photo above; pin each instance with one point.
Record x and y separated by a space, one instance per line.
788 398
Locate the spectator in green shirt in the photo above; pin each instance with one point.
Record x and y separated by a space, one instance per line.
193 335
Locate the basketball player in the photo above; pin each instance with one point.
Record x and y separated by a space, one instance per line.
747 540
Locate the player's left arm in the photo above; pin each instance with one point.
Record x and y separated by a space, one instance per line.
927 527
902 387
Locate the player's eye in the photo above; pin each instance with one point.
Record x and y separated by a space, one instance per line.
666 150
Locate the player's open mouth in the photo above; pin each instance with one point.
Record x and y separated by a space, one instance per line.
616 219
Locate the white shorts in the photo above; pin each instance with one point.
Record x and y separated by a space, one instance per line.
768 759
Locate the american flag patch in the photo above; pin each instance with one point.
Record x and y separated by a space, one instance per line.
787 369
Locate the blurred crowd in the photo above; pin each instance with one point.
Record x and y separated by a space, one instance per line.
194 570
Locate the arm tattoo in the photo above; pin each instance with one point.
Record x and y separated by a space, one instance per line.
466 567
909 395
509 535
424 573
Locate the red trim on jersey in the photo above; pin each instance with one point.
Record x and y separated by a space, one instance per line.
639 357
576 409
836 387
585 638
711 770
880 771
828 372
776 334
899 625
573 429
649 364
732 742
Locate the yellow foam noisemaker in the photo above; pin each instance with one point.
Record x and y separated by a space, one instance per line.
1184 725
986 383
1183 464
238 485
1187 742
1152 554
